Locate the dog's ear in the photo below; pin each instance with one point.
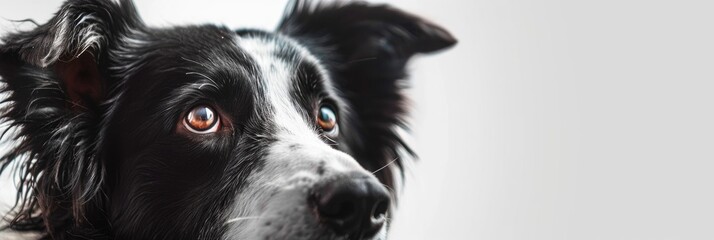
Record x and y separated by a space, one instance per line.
55 87
359 31
70 47
366 48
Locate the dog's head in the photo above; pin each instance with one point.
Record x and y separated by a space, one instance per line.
125 131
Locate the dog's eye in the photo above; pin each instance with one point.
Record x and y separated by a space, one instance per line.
327 119
202 120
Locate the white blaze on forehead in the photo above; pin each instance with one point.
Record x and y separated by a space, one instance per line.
277 77
297 159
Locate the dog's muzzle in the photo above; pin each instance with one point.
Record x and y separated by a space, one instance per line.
310 191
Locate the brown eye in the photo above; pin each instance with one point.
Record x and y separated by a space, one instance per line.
202 120
327 119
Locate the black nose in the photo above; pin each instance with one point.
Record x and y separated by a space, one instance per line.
351 206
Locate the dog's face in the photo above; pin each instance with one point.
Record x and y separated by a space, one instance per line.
241 130
202 132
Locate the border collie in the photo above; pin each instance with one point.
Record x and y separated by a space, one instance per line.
125 131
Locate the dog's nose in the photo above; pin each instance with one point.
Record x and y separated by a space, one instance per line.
354 206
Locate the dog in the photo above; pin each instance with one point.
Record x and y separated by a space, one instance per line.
120 130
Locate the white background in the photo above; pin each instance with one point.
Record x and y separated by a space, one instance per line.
551 119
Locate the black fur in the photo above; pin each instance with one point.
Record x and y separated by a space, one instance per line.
367 48
93 98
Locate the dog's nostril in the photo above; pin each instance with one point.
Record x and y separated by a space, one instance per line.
380 210
353 206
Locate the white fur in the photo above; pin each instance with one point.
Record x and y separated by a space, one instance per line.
275 201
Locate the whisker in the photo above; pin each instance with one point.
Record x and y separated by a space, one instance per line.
390 189
392 192
385 166
332 142
232 220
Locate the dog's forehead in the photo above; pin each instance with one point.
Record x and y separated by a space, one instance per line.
280 57
271 46
251 53
206 42
232 58
288 73
245 72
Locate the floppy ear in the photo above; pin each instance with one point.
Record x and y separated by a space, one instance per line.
367 48
55 84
